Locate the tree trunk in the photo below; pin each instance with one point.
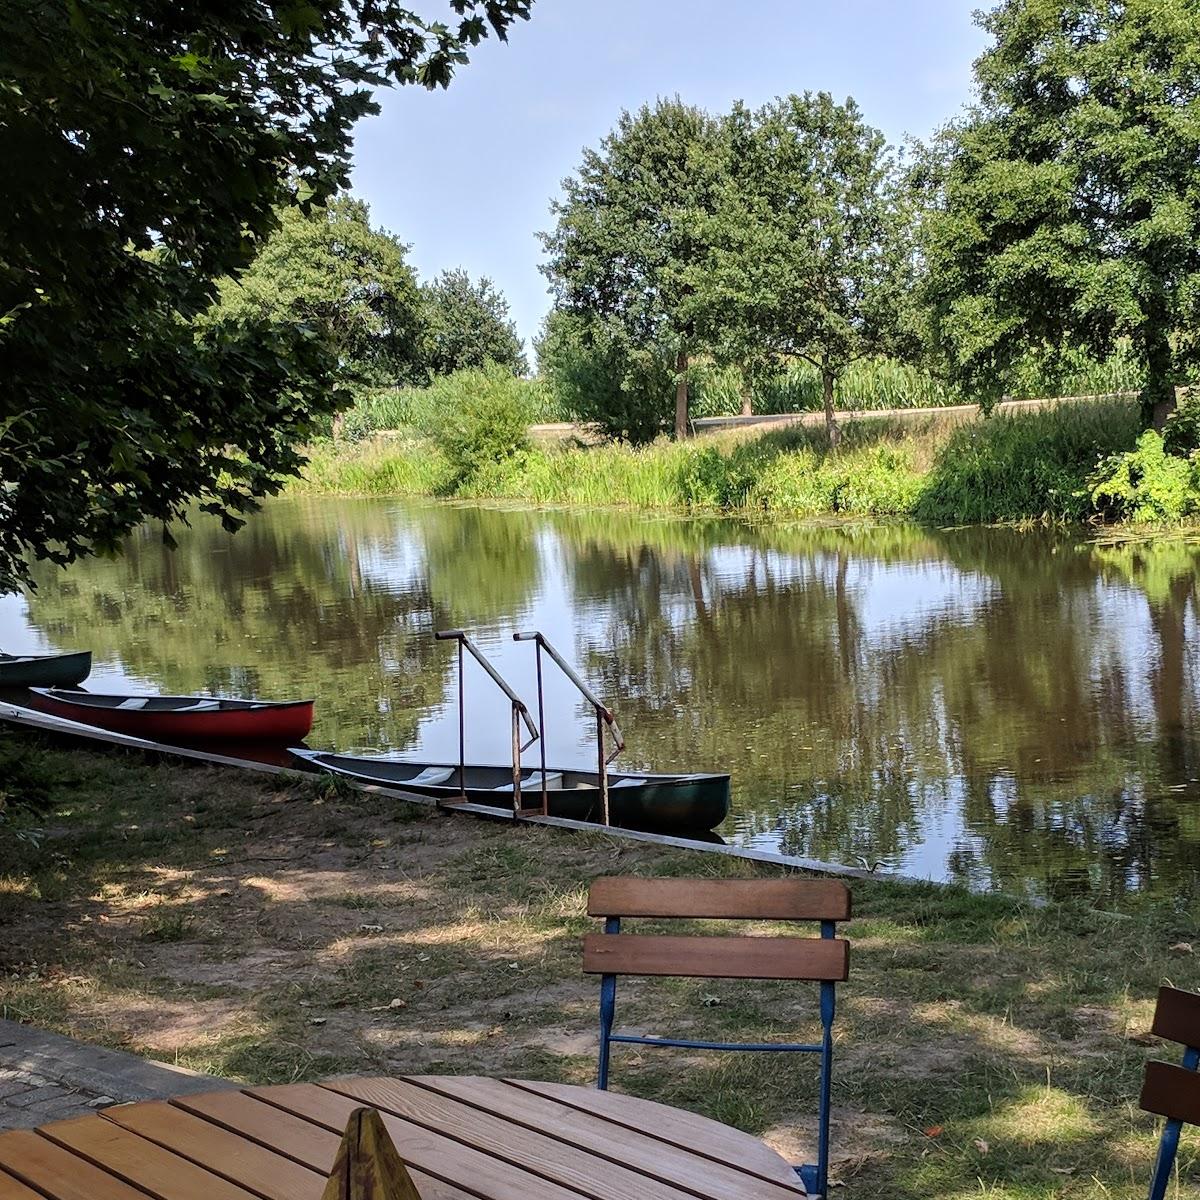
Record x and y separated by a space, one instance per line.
747 398
681 395
1158 396
831 425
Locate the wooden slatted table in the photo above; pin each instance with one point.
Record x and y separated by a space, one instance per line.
463 1138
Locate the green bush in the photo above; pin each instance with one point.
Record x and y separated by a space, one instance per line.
479 419
1146 483
1025 466
600 379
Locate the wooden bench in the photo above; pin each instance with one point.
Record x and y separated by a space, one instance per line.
824 960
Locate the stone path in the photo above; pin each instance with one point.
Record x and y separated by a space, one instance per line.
45 1077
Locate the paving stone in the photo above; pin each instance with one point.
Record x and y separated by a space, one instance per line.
48 1091
45 1077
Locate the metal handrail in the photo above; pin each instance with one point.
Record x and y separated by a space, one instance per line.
519 713
604 716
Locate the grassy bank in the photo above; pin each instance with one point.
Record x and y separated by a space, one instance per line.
941 469
274 931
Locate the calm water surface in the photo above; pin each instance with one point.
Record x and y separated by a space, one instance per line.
1006 709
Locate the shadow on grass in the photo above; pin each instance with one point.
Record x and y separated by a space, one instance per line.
982 1046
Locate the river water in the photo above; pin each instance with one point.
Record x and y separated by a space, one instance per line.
1007 709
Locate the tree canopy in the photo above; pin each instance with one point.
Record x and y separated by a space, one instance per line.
808 245
627 231
1065 205
467 325
149 147
330 270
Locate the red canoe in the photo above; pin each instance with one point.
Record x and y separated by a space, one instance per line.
182 718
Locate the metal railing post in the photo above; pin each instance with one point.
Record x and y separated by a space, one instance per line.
462 725
516 760
542 729
603 767
604 717
519 713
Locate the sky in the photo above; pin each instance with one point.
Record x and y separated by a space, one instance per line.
466 176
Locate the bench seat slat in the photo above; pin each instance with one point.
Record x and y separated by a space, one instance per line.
825 959
735 899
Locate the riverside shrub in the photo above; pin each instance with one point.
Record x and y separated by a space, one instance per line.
1146 483
479 419
1025 466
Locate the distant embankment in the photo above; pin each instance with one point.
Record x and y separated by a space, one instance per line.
1034 460
962 412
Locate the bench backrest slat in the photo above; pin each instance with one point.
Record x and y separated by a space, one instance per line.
818 959
733 899
1177 1016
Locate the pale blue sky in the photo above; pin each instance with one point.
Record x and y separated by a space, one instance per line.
466 175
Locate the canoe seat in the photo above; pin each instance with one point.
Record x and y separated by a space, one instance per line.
431 776
134 702
534 780
199 706
632 782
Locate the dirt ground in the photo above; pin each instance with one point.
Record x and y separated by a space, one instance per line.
270 931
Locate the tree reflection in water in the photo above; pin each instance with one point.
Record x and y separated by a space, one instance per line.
999 707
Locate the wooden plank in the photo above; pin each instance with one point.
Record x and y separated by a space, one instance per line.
13 1189
536 1152
57 1173
303 1142
676 1126
140 1163
294 1137
237 1159
742 899
717 957
1171 1091
635 1148
434 1153
1177 1016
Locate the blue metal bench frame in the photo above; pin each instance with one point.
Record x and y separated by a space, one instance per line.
814 1176
1176 1018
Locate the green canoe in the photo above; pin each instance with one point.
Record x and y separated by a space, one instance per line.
45 670
659 803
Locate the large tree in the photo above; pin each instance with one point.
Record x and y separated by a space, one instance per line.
331 270
467 325
1066 202
148 146
808 248
627 226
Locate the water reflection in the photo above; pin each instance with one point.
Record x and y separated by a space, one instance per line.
1008 709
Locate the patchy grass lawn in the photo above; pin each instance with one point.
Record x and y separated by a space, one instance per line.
271 931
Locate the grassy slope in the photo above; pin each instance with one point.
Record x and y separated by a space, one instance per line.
228 921
1022 466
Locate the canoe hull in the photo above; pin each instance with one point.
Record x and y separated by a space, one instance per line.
45 670
658 803
283 722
